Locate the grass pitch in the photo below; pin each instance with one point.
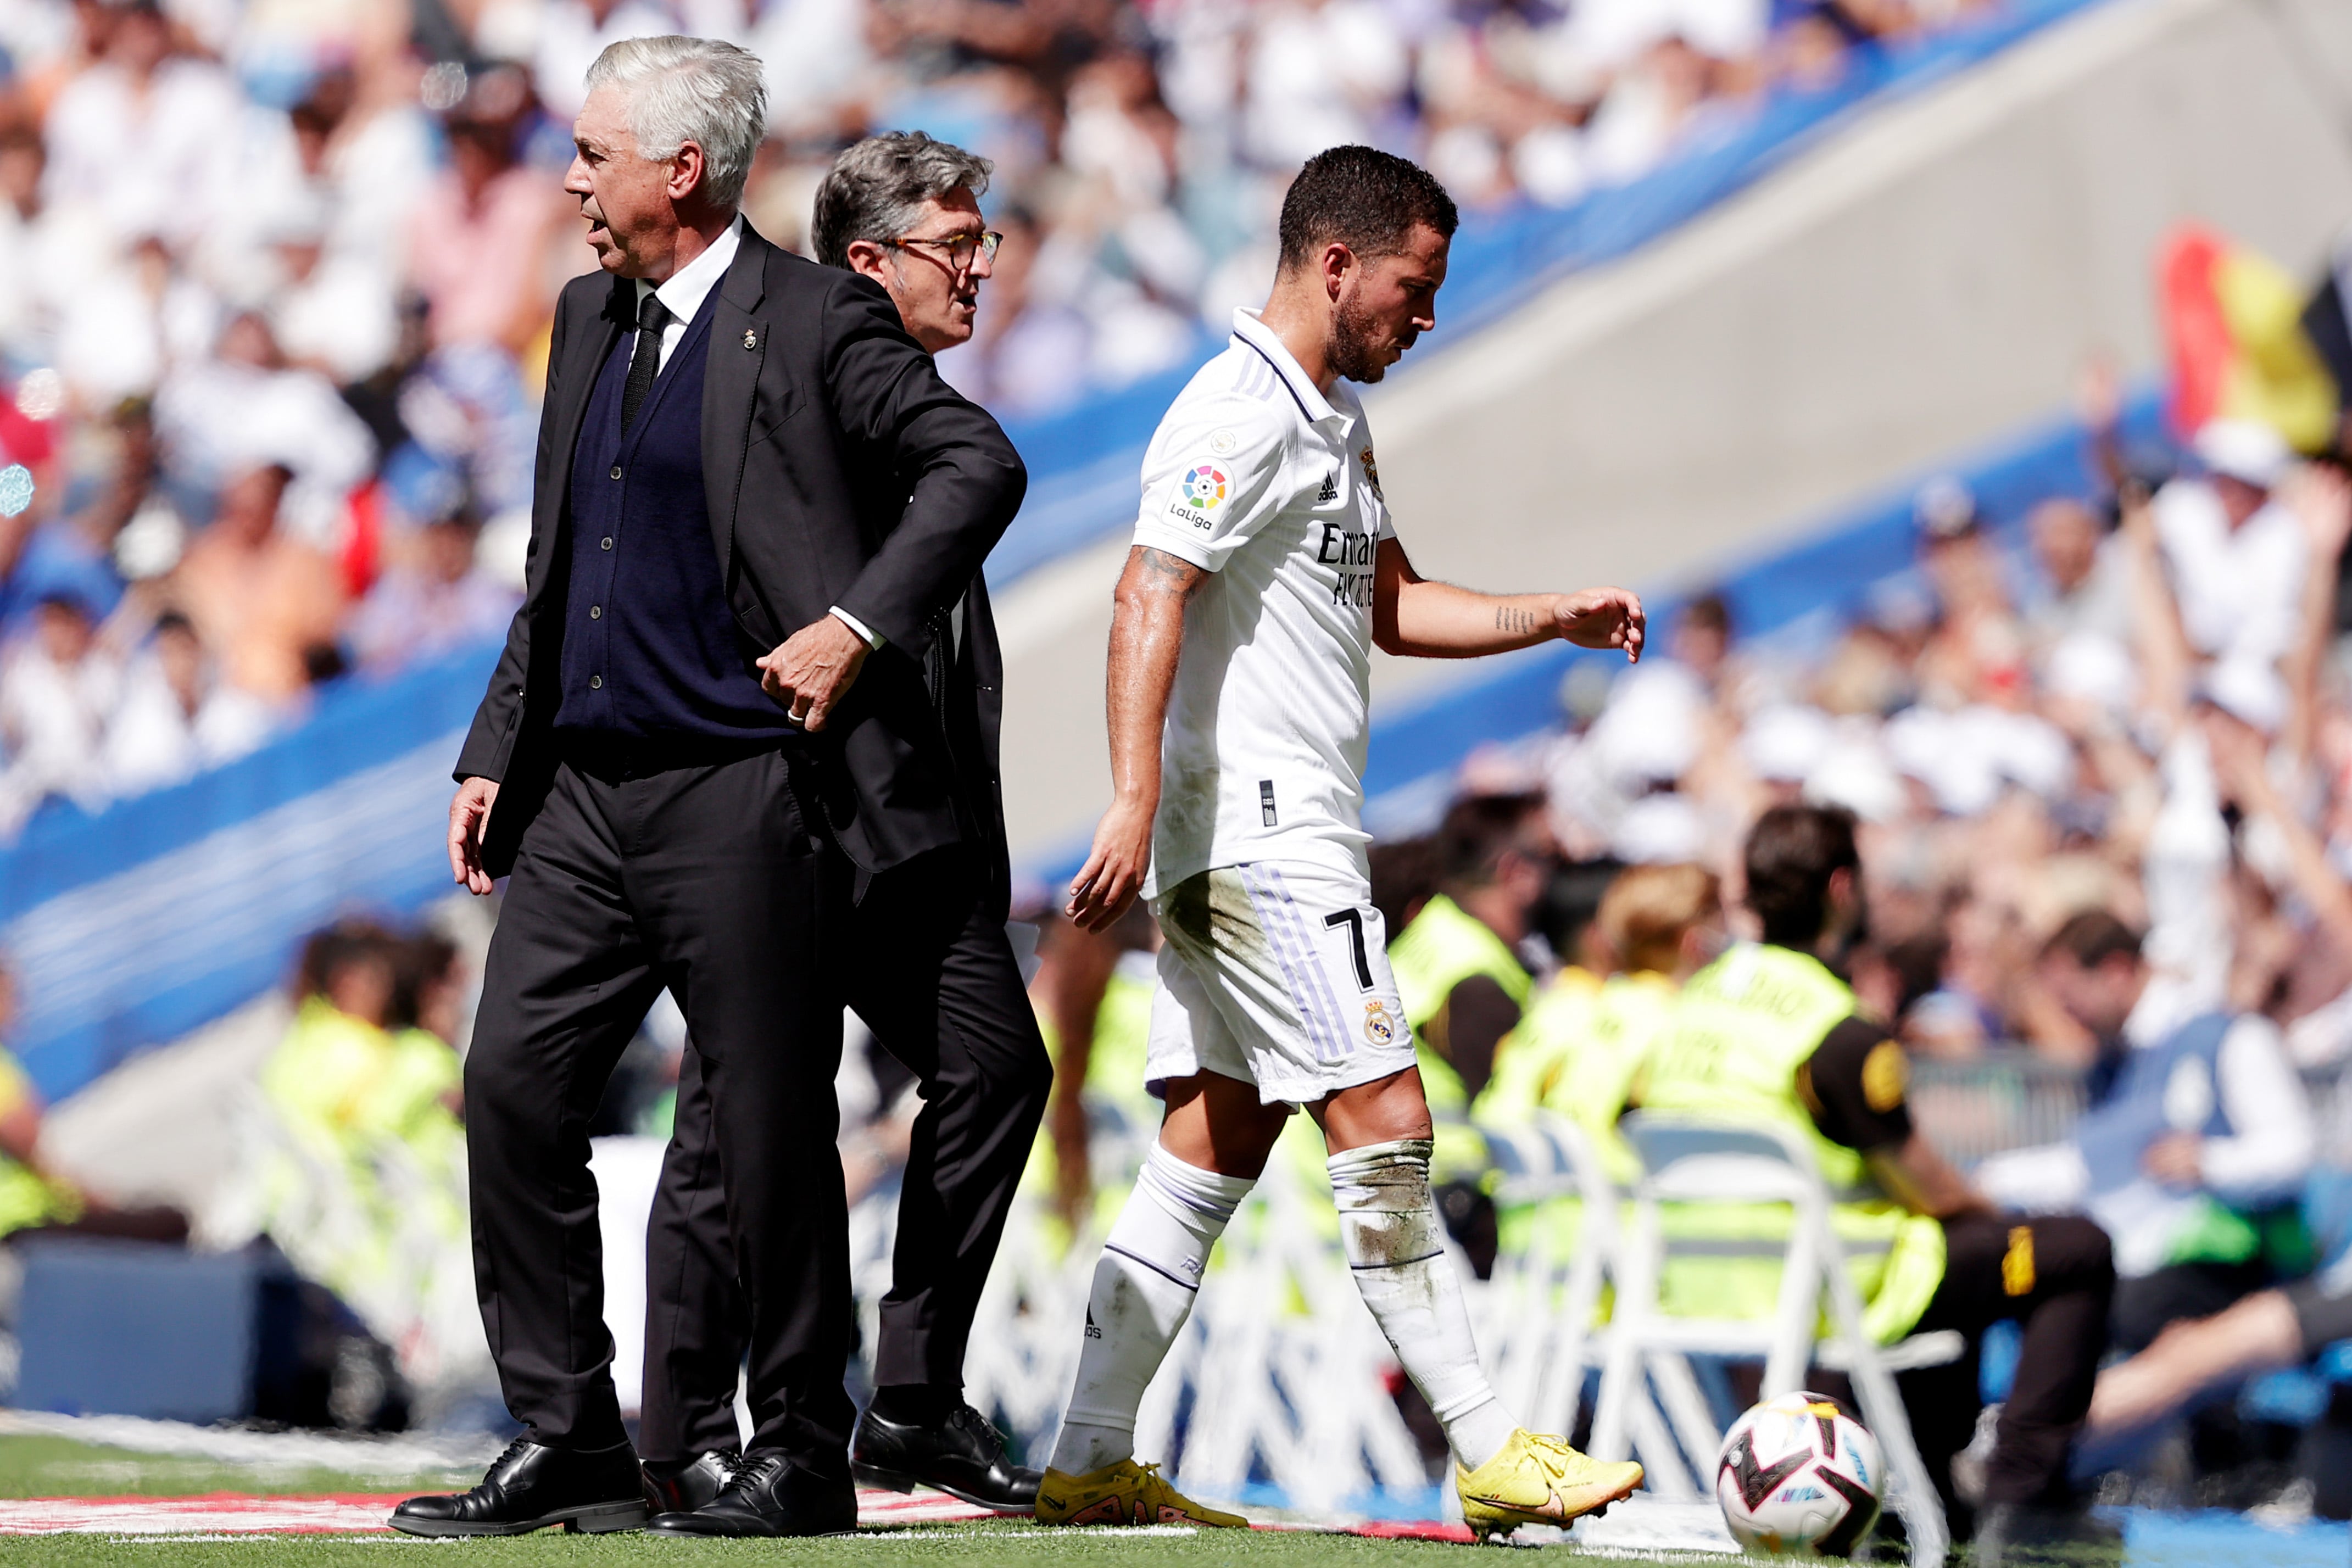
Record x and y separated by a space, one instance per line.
59 1467
922 1545
35 1467
54 1467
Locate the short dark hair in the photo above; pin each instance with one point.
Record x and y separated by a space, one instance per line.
2092 937
1478 832
352 941
1792 853
877 188
1404 875
1363 198
1709 611
417 964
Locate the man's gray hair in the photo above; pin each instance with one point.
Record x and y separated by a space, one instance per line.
691 90
876 190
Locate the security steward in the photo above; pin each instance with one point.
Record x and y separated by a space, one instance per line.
1768 1033
1458 970
1584 1045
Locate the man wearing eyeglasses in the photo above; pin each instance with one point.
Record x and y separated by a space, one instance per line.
943 992
932 253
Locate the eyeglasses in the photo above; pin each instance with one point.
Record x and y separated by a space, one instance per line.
961 250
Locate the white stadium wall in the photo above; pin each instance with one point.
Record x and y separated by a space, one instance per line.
1926 278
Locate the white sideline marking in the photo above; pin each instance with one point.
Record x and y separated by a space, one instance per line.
1641 1526
1128 1531
189 1517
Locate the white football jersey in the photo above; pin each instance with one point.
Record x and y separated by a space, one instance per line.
1260 479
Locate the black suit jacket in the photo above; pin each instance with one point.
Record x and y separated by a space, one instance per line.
840 469
974 682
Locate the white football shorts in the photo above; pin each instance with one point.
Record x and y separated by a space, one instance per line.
1275 973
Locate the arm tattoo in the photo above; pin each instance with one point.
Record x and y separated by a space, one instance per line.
1509 618
1175 574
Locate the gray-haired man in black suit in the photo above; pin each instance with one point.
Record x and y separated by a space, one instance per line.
713 728
902 209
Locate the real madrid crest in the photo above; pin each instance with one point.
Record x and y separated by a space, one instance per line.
1379 1027
750 339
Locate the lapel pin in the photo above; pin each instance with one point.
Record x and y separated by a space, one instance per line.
750 339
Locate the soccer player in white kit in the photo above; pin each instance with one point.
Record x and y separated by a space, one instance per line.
1263 572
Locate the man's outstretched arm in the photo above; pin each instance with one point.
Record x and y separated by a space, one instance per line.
1147 634
1416 618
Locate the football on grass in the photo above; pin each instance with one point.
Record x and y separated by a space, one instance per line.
1798 1474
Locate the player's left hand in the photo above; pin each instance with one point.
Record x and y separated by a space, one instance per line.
810 671
1603 618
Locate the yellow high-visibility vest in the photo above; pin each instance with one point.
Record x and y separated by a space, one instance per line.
1743 1027
1443 946
1576 1053
27 1197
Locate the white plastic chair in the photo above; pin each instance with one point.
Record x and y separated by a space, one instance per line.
1691 1160
1541 1306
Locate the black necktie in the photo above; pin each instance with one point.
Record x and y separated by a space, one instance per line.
646 360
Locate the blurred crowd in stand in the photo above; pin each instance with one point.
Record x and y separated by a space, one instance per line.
275 279
2133 700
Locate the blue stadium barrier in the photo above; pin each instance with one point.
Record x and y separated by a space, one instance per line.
1083 462
132 1328
136 924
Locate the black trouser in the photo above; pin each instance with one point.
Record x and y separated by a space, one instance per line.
2055 1276
2145 1304
709 881
931 972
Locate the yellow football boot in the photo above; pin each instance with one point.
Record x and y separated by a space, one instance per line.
1537 1479
1123 1494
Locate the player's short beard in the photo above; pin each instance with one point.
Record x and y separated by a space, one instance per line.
1356 350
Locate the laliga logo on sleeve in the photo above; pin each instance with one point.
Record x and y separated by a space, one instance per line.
1204 486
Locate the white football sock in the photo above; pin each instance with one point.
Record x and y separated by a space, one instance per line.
1389 1226
1144 1284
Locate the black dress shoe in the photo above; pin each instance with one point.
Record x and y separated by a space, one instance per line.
681 1485
963 1456
769 1495
531 1487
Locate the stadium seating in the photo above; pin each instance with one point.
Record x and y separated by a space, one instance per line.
1538 1310
1694 1161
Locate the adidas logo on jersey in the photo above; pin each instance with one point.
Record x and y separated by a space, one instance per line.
1330 491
